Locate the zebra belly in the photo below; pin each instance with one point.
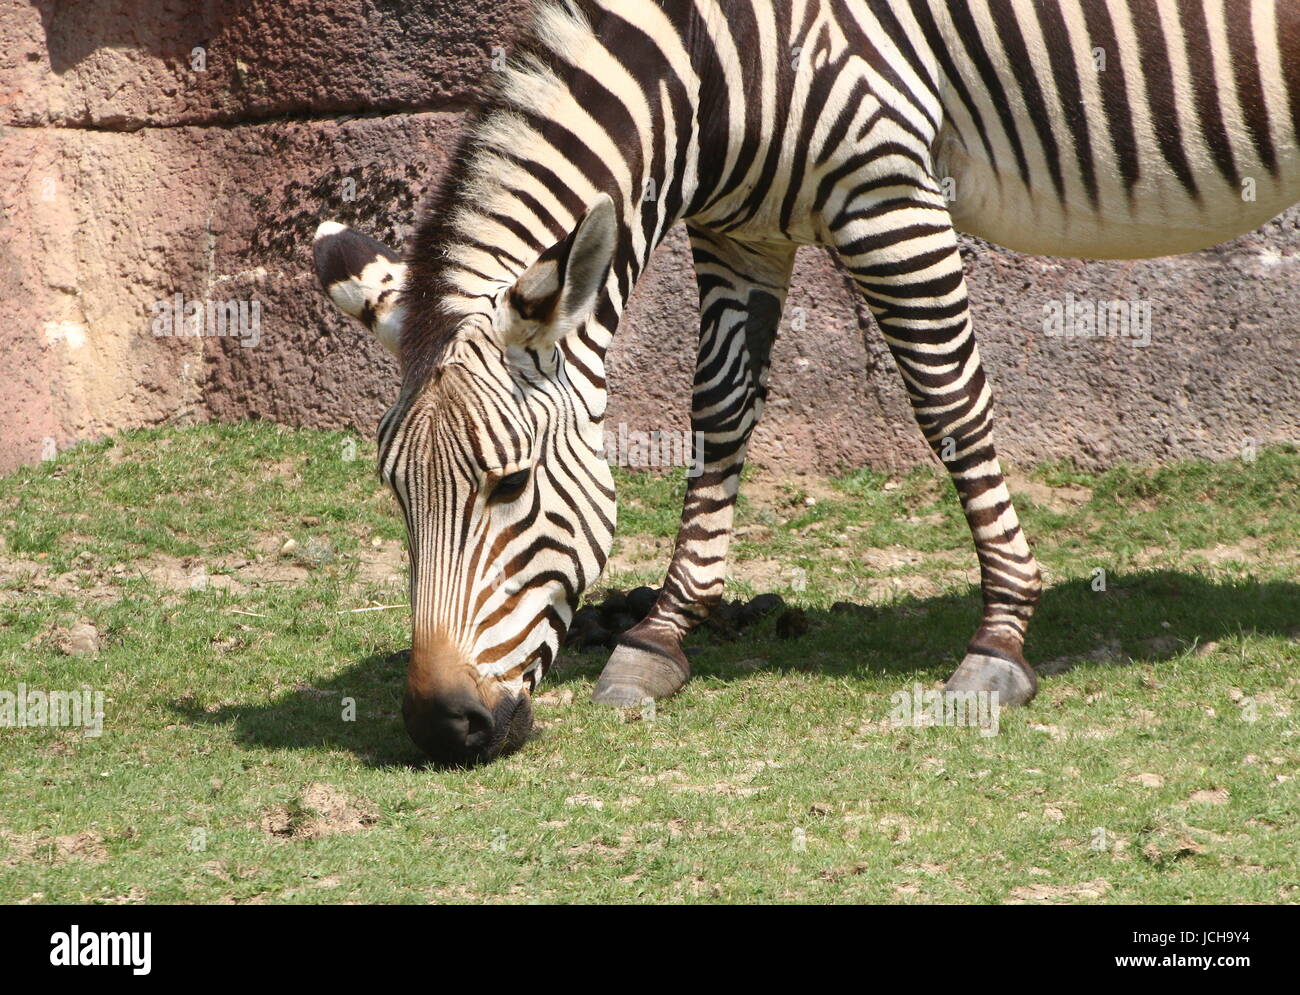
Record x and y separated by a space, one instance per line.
1116 129
1158 218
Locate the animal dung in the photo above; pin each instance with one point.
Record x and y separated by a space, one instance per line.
598 625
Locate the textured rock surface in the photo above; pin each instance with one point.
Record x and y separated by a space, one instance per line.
192 147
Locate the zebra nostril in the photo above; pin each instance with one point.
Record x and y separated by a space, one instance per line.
452 729
479 726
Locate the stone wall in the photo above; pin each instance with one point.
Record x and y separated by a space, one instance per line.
149 150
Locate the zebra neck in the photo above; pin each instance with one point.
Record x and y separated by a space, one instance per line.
574 116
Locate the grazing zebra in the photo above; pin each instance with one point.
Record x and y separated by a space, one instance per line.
878 128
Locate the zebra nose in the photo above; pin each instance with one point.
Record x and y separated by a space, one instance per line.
454 728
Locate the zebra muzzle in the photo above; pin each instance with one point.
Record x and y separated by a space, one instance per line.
453 717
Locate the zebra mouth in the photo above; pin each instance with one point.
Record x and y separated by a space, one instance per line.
513 723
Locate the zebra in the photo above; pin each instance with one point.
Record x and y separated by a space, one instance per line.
875 128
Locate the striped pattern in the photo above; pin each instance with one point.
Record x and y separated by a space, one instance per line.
1135 128
1094 128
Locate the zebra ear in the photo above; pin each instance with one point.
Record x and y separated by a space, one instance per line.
363 278
560 291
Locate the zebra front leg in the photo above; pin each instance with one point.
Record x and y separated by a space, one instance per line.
742 292
903 254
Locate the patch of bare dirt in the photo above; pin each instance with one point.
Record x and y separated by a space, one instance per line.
787 491
321 810
81 639
639 554
1052 894
597 848
1059 499
584 801
918 574
87 846
383 563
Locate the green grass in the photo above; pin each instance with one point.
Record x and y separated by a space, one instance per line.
1161 768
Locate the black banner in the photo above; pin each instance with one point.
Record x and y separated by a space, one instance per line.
144 945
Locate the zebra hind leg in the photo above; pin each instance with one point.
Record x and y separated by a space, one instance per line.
742 292
903 254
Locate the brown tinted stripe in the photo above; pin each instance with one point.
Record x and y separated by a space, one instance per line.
783 85
969 33
1205 87
1250 86
934 41
1288 42
1065 72
818 96
1158 71
1069 92
857 36
1013 43
744 31
889 23
1114 92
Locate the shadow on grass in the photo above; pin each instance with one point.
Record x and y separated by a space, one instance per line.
1141 617
357 711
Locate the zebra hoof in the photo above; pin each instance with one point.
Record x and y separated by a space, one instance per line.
1013 683
639 669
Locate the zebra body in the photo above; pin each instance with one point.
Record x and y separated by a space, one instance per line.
1100 128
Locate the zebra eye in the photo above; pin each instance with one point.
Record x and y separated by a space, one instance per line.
509 487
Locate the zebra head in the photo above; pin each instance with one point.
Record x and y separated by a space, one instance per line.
496 460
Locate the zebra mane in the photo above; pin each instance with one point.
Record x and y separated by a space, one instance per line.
527 85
